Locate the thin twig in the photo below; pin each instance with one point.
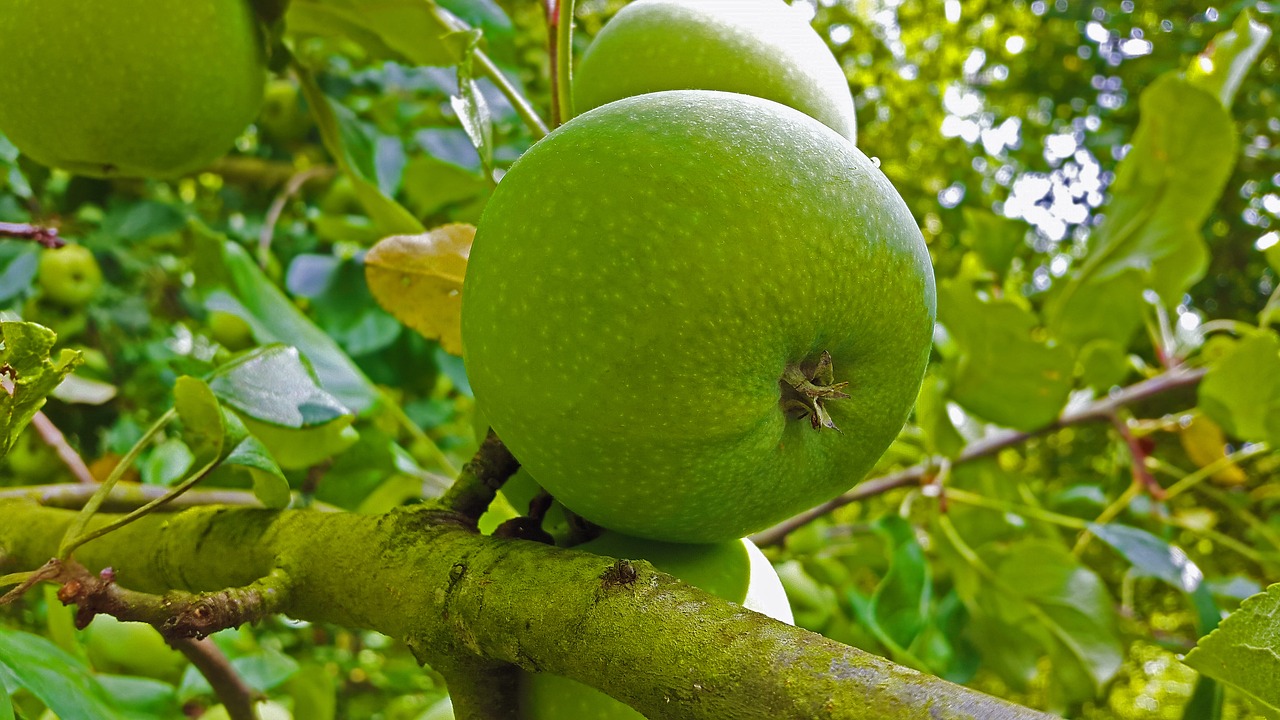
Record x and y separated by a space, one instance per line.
274 212
560 50
523 108
236 696
54 438
1137 459
131 496
46 236
1098 411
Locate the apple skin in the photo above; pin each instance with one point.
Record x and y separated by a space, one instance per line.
735 570
69 276
639 283
128 88
755 47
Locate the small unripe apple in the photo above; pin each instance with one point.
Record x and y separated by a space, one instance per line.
692 314
230 330
283 118
755 47
69 275
735 570
128 88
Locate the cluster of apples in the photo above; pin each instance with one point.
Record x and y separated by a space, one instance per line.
697 308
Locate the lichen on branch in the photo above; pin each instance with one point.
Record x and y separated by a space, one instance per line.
456 597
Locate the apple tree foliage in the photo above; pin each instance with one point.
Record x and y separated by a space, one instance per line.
1086 488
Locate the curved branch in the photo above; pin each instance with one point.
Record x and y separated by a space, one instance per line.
1097 411
668 649
131 496
46 236
236 696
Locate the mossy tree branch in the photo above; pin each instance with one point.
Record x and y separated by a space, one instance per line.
456 597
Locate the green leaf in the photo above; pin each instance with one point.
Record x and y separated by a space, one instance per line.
345 139
1151 556
1221 68
1103 364
167 463
142 698
1241 392
901 601
230 281
6 706
1109 312
48 672
1003 373
995 238
1206 701
251 454
414 31
298 449
341 302
1244 652
1182 155
1073 605
1042 601
201 414
940 434
470 106
275 385
32 375
431 184
271 488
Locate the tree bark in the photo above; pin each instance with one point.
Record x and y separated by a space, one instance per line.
455 597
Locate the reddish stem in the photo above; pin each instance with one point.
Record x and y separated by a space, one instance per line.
46 236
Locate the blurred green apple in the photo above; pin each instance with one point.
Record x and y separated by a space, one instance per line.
128 88
755 47
230 330
672 303
69 275
283 118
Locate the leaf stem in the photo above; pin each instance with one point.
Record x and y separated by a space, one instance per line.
523 107
967 498
191 481
560 34
70 539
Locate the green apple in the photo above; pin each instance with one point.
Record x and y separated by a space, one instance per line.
125 88
666 298
69 275
283 118
30 459
735 570
755 47
442 710
230 330
132 648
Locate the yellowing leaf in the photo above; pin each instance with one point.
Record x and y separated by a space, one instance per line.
418 279
1205 444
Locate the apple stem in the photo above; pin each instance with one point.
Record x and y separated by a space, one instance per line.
807 386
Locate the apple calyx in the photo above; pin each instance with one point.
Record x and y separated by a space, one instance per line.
807 386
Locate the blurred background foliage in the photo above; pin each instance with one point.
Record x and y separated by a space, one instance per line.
1002 125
